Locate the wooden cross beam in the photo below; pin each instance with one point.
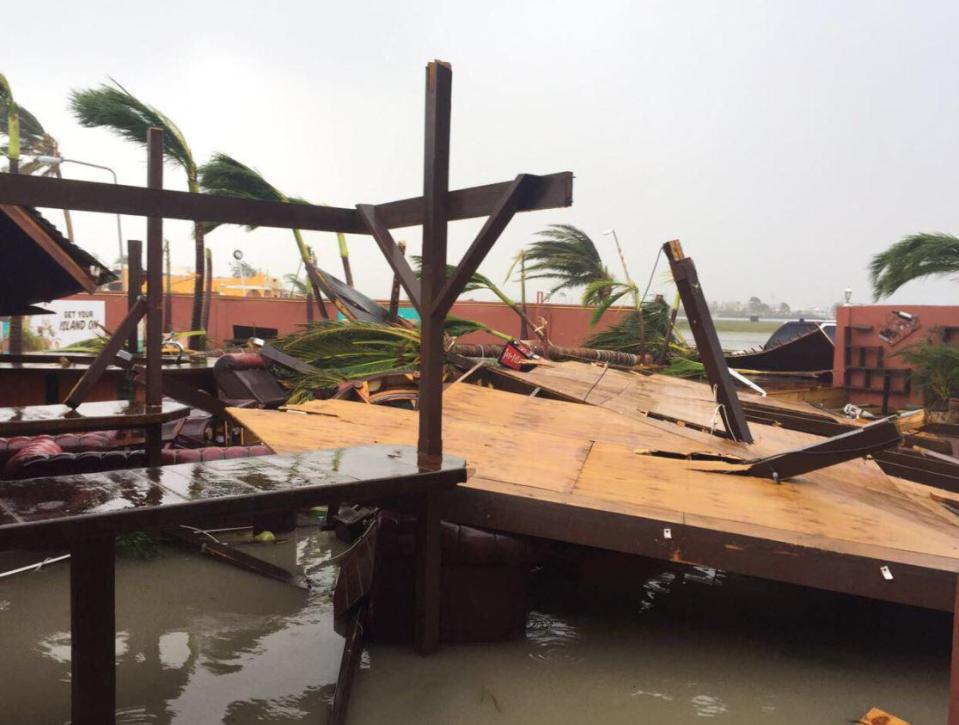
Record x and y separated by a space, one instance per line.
546 192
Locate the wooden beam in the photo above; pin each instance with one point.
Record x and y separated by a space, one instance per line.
293 363
154 342
93 632
707 341
93 373
40 237
439 82
843 447
134 287
391 250
546 192
503 212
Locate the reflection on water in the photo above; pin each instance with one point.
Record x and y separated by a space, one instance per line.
199 642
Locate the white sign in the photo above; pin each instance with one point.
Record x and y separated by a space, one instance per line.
72 321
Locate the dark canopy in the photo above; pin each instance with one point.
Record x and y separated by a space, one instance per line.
39 264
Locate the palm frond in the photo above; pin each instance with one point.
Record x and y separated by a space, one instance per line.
626 333
915 256
605 293
31 130
117 109
567 254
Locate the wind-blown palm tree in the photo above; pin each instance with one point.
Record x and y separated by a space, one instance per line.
226 176
117 109
33 139
12 120
915 256
567 254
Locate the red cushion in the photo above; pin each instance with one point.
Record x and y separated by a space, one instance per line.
43 446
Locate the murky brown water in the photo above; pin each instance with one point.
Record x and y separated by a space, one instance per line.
200 642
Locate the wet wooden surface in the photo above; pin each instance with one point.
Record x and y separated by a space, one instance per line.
547 467
67 508
104 415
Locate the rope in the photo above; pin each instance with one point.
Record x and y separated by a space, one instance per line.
601 375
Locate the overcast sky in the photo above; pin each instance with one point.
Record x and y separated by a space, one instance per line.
784 143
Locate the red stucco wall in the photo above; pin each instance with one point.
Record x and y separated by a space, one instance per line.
568 325
859 325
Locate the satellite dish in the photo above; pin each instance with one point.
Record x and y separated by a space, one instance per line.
237 255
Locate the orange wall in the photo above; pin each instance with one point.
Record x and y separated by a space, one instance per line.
567 325
850 324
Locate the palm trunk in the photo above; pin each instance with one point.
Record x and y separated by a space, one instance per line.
168 298
395 291
307 260
199 262
519 311
523 325
345 258
207 297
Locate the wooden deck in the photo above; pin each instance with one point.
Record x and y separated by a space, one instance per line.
630 483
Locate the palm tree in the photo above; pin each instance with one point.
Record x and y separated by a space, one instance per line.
567 254
116 108
32 139
297 285
226 176
915 256
12 130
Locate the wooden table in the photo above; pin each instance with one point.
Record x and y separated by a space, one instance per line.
104 415
86 512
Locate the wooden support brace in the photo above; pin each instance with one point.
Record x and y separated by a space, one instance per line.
707 341
843 447
106 356
503 212
349 664
394 255
92 632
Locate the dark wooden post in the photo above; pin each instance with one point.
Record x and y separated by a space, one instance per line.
134 286
309 308
954 667
92 632
154 342
707 341
439 78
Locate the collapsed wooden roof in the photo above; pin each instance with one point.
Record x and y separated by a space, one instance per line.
548 467
39 264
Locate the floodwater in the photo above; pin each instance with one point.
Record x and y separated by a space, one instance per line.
201 642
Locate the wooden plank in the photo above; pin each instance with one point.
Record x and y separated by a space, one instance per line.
349 664
546 192
707 341
107 355
93 633
48 245
154 311
101 415
426 634
394 255
502 213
